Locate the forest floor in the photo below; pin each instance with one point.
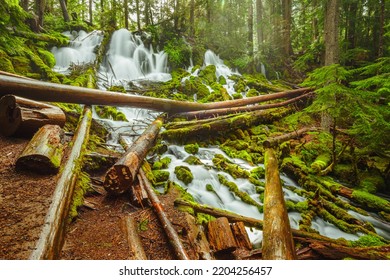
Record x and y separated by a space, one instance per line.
97 233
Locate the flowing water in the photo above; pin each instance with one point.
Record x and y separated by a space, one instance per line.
128 60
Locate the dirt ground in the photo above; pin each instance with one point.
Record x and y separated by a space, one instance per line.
96 234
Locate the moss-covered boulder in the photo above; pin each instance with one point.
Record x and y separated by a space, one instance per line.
184 174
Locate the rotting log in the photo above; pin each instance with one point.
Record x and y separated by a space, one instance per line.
172 235
211 127
139 196
23 117
220 236
241 236
51 92
52 235
122 174
278 243
276 140
135 245
43 154
235 110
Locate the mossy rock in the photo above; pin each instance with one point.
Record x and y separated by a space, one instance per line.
160 175
371 181
184 174
192 148
208 75
252 92
162 163
344 172
193 160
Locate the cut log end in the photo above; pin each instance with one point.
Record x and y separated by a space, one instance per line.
37 163
10 115
113 184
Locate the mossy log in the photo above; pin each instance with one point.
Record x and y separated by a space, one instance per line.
44 152
222 125
52 92
277 140
23 117
122 174
278 243
321 162
135 245
235 110
52 234
172 235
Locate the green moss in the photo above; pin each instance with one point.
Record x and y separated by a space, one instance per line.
192 148
193 160
252 92
183 173
371 181
367 240
223 164
371 201
83 184
160 176
109 112
162 163
207 74
321 162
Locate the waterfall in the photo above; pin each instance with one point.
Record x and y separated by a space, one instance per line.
128 59
81 50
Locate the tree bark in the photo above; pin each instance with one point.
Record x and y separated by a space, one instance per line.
331 32
51 92
44 152
166 223
121 176
52 234
220 243
135 245
23 117
241 236
64 10
278 243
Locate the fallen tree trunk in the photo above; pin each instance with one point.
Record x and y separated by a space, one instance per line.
51 92
53 232
218 126
235 110
44 152
277 242
276 140
220 243
121 176
23 117
135 245
166 223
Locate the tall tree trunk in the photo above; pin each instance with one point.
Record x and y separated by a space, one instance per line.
64 9
259 23
286 33
138 15
381 28
331 31
40 9
250 35
192 18
24 4
315 21
126 8
90 11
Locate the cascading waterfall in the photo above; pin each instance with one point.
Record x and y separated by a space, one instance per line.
81 50
128 60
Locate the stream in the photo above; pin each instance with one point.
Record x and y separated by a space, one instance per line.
129 60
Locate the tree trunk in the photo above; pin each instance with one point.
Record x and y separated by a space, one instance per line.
381 29
235 110
23 117
135 245
241 236
52 235
121 176
220 243
64 9
44 152
40 10
278 243
331 31
286 34
277 140
166 223
259 24
52 92
137 7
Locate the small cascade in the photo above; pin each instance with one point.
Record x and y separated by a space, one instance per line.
81 50
128 59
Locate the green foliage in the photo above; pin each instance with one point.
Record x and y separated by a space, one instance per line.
367 240
178 52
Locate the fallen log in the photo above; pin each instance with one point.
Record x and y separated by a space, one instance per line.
235 110
23 117
139 196
51 92
135 245
277 242
251 222
220 236
212 127
276 140
166 223
120 177
43 154
241 236
52 234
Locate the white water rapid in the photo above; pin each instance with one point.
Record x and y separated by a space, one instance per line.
81 50
128 60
